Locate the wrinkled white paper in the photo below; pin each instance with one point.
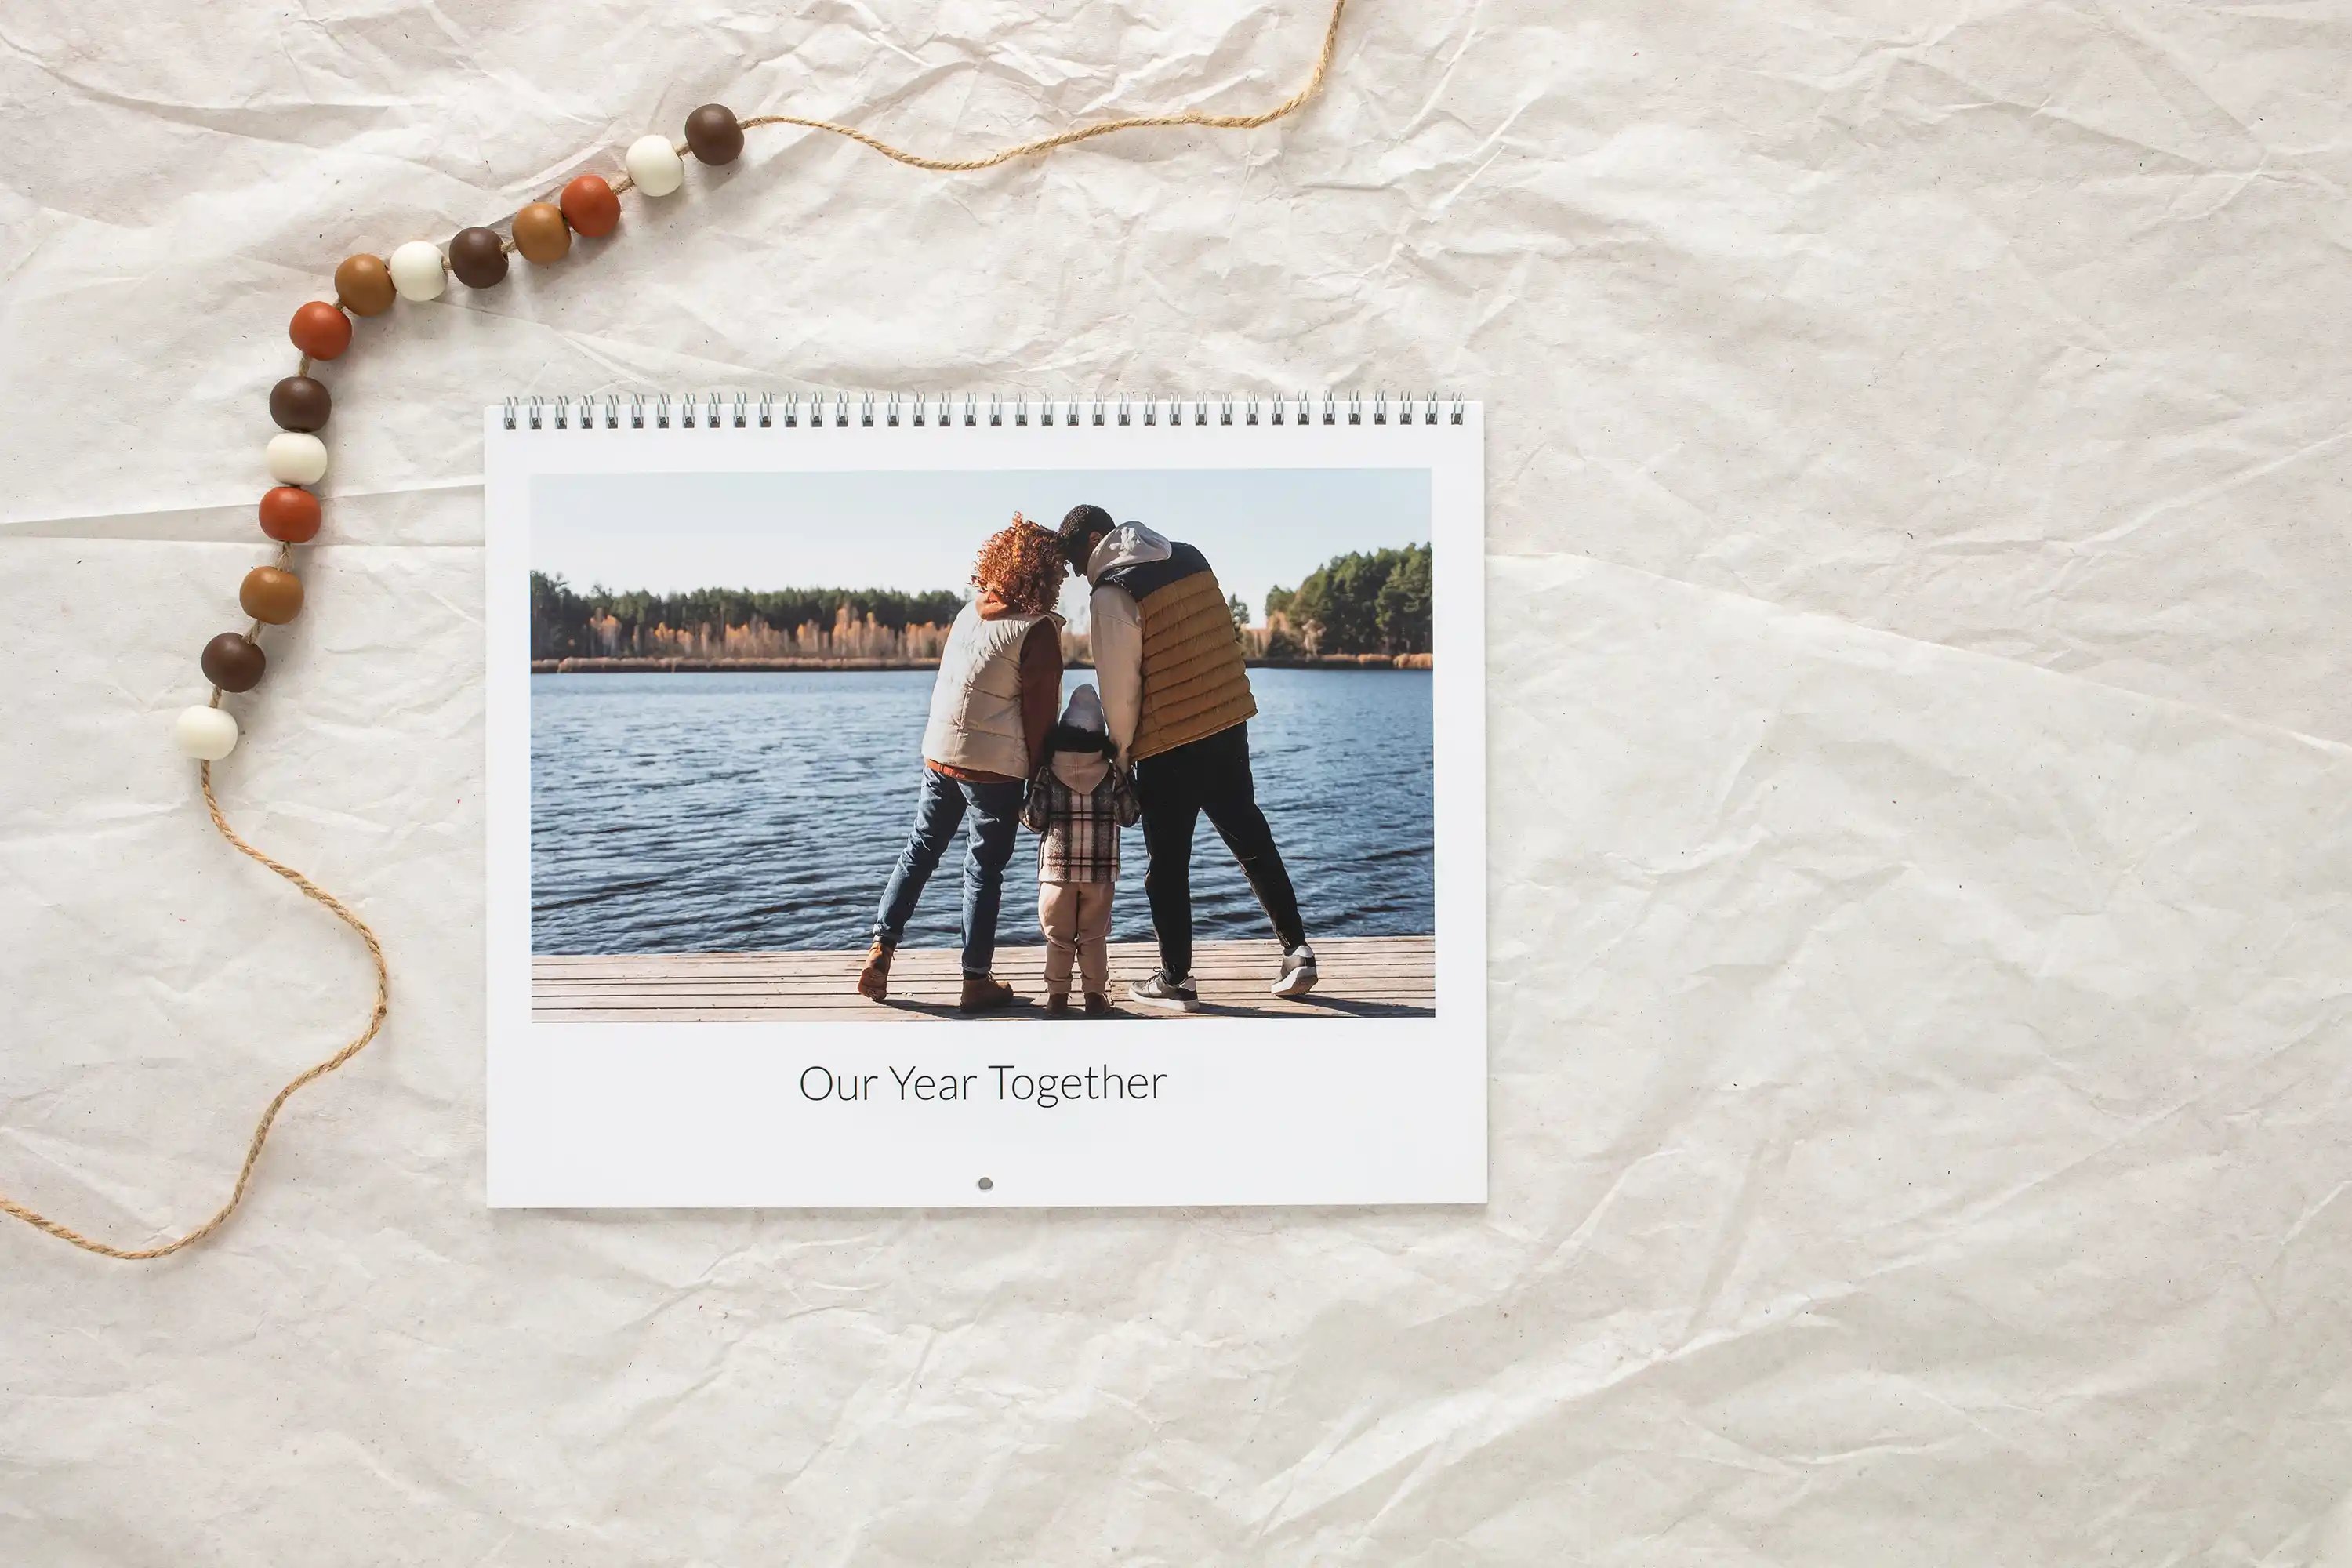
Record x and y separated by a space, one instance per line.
1919 776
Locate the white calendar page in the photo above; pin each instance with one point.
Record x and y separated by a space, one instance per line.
744 659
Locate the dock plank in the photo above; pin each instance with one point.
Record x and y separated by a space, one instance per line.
1361 977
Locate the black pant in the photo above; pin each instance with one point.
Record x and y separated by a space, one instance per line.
1212 775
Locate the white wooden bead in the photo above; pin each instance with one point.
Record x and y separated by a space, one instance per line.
204 732
654 166
297 459
416 270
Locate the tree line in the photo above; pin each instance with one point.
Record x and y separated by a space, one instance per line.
1363 602
736 622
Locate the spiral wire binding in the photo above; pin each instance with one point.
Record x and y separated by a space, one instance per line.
917 410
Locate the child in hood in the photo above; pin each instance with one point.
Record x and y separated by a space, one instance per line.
1077 802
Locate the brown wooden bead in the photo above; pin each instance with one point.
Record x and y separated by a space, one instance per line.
289 514
540 234
479 257
298 403
234 662
590 207
365 283
713 136
270 595
320 330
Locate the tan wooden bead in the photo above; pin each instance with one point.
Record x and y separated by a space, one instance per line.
271 596
364 285
540 234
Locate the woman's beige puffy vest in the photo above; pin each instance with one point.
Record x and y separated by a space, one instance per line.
1195 681
976 701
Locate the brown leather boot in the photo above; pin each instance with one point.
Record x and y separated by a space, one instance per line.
874 980
984 994
1098 1005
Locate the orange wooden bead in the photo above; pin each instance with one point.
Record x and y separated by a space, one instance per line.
364 285
289 514
540 234
270 595
590 206
319 330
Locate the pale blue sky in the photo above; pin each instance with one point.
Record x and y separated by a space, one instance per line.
918 530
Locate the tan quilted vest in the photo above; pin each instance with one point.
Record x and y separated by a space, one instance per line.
1195 682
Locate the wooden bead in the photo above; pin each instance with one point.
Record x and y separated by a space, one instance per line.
364 282
290 515
653 165
297 459
416 270
205 733
479 257
234 662
590 207
540 234
713 134
320 330
298 403
271 595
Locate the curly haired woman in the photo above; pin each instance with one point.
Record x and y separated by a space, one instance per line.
999 688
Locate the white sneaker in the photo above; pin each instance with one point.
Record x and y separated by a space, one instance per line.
1298 974
1182 997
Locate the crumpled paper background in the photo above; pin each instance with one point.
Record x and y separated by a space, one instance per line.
1919 780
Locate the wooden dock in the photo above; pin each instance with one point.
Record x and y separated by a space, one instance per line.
1362 977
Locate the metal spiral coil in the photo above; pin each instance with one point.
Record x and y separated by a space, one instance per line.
919 411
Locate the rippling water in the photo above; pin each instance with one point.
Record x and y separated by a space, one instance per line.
710 813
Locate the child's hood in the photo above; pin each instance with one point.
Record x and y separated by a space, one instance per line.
1084 709
1082 771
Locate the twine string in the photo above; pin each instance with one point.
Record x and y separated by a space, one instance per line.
1077 133
311 1074
341 911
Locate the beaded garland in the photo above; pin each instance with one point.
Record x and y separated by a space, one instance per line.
366 285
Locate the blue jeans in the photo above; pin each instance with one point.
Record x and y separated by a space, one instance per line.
995 819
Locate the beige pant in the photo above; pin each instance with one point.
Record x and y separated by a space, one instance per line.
1076 918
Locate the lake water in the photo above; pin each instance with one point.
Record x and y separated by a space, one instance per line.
713 812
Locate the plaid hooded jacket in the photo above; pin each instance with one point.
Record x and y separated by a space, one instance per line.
1077 834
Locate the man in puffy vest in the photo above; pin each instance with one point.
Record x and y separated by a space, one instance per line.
1176 699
